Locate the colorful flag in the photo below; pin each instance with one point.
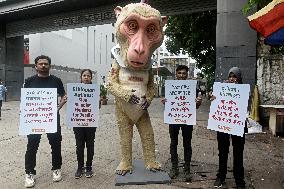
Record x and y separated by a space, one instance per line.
276 38
269 19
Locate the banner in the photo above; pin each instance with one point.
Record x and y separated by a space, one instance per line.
228 111
82 105
180 107
38 111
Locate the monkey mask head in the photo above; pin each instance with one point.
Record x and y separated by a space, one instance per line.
139 32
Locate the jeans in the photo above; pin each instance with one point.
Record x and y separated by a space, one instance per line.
238 149
187 135
84 136
32 147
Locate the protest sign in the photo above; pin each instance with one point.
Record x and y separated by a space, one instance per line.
180 107
82 105
228 111
38 111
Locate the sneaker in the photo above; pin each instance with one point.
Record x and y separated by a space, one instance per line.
89 172
218 183
79 173
57 175
29 181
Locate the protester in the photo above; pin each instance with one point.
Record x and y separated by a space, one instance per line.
84 136
181 74
43 79
234 76
3 90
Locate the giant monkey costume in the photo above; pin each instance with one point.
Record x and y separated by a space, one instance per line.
138 32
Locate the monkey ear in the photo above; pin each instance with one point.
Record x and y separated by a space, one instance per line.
117 11
164 20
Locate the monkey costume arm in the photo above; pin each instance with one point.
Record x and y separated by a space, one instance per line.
114 86
151 88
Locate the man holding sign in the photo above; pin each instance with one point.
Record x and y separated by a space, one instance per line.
182 116
227 116
43 79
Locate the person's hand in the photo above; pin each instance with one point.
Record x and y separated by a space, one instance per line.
64 99
198 101
164 100
212 97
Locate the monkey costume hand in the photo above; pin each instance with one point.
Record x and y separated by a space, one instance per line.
145 104
134 99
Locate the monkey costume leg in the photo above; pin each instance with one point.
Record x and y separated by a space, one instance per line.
125 126
147 139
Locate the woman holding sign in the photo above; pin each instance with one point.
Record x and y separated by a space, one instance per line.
234 76
85 135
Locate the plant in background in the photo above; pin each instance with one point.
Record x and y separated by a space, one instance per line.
195 34
103 91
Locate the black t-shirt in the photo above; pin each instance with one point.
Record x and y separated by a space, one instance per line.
45 82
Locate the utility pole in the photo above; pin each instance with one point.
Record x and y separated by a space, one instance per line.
158 65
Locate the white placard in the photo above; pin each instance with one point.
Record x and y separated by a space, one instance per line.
228 111
82 105
180 107
38 111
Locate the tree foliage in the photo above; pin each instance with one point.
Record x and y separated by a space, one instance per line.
254 5
194 34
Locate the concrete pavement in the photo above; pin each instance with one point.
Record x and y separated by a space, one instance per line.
263 159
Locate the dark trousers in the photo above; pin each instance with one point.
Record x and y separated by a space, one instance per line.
0 107
84 136
32 147
238 149
187 135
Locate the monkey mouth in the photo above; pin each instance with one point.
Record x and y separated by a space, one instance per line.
137 63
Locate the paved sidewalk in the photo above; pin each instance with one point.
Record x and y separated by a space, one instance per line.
264 154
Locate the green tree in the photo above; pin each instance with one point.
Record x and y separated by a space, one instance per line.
194 34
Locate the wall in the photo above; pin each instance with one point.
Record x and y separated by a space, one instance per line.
270 78
235 42
82 48
67 75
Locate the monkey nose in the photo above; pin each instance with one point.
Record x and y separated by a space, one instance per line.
139 51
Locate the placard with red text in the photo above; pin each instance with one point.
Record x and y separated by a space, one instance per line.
82 105
228 111
180 107
38 111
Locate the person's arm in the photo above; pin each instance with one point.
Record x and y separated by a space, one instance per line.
198 101
4 89
62 101
61 92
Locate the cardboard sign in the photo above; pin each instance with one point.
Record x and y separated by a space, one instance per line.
180 107
38 111
82 105
228 111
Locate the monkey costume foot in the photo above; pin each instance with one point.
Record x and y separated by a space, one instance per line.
153 166
123 168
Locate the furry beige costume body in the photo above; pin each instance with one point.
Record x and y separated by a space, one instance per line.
139 32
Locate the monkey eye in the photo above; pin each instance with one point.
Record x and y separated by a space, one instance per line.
132 25
151 29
